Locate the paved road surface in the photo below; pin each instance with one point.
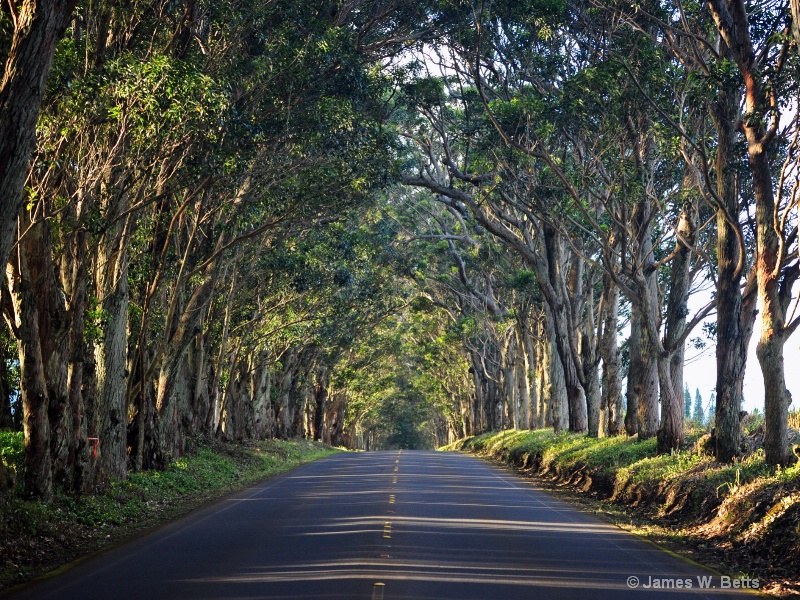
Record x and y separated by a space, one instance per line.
425 525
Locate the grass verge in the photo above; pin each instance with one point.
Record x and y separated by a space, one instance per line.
37 537
741 518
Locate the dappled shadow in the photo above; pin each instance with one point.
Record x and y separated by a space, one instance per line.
427 526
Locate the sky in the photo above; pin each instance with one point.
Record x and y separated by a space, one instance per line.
700 370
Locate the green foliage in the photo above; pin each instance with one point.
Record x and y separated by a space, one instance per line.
11 450
687 403
698 416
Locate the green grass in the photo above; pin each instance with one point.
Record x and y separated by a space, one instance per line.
625 463
563 451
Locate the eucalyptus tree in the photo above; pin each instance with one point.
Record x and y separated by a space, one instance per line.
539 79
29 33
758 42
738 58
176 143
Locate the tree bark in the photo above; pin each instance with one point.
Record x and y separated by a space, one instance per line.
733 25
38 478
671 433
733 334
612 361
37 25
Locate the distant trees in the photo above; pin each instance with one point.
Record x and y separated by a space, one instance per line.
698 415
272 219
687 402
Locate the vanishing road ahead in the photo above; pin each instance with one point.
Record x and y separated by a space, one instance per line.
390 525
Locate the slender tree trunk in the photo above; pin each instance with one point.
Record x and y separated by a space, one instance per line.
648 384
770 344
557 392
510 386
732 22
646 305
78 458
612 361
111 358
671 434
523 379
320 401
564 337
589 360
635 372
532 372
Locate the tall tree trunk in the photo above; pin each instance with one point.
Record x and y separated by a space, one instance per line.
772 339
565 333
732 22
523 378
635 372
671 434
612 361
78 458
38 479
37 26
646 304
647 425
556 392
320 401
54 342
732 337
532 370
587 346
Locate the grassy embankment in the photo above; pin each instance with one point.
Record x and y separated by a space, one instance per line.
37 537
742 518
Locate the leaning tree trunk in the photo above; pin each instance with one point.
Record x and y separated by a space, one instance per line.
770 344
671 433
37 26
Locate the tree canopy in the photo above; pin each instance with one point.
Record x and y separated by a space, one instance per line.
389 224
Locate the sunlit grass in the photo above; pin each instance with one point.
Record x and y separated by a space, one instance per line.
626 463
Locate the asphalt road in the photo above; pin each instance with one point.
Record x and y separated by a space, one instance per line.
387 525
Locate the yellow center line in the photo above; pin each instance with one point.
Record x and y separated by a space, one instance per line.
377 591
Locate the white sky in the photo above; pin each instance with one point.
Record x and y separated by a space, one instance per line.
702 373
